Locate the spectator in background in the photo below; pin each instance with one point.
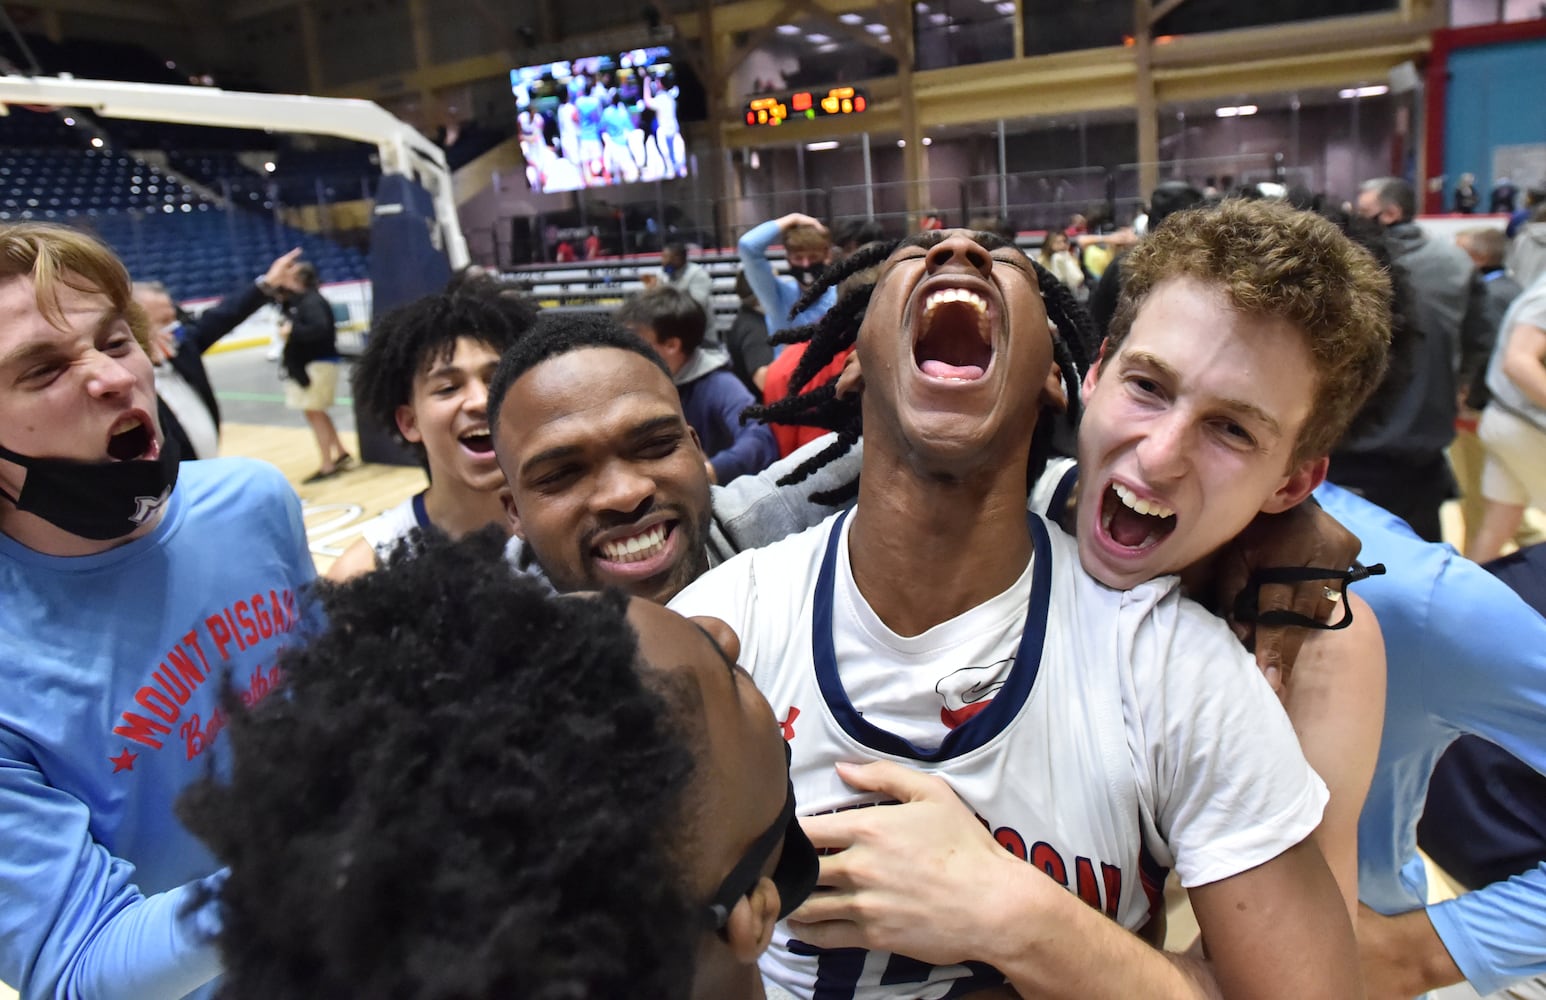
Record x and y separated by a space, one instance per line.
852 234
808 251
311 366
1491 294
188 410
1535 197
1170 197
1466 195
593 245
1527 254
791 437
1056 259
747 339
1513 427
1397 459
1503 194
712 396
678 272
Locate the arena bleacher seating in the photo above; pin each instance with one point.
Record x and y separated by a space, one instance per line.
163 228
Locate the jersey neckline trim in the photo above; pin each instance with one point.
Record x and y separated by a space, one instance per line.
976 731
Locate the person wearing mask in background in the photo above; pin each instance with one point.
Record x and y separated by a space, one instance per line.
808 251
1397 459
676 271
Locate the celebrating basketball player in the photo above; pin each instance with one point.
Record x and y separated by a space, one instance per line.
1099 735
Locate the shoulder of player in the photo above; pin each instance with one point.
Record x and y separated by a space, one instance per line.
250 480
789 564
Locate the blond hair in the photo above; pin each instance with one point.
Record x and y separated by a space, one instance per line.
55 257
802 238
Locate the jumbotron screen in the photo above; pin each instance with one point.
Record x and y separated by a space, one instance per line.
600 120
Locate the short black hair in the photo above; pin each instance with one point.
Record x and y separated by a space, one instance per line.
306 271
1169 198
410 338
554 334
676 248
669 312
465 787
857 232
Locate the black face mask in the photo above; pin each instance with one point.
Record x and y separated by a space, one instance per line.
95 500
794 875
807 276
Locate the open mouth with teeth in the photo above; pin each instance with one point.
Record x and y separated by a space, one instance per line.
640 555
130 442
478 442
1133 522
955 342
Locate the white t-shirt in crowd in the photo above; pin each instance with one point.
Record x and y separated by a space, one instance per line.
1103 735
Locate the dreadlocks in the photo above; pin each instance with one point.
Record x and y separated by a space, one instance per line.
838 330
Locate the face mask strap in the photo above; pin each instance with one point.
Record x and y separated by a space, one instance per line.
1248 600
745 875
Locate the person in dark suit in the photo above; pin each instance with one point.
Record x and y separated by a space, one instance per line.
185 398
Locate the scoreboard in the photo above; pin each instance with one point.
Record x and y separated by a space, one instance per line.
805 104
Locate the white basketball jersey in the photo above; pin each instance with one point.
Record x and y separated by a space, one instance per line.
1047 745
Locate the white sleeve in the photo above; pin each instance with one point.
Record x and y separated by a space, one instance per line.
1224 784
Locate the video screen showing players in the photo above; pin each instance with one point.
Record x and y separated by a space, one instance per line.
600 120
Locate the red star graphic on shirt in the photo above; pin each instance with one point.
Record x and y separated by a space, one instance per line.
124 761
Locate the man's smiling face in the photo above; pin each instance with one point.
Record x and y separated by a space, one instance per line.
605 479
1189 430
956 352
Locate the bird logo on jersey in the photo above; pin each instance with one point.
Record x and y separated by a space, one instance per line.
970 690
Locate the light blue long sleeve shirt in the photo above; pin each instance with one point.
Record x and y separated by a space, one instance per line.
111 670
777 292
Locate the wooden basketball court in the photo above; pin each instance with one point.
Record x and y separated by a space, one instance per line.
334 508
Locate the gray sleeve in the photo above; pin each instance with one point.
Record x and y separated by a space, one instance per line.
754 511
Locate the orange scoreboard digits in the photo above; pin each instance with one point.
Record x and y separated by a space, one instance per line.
806 104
